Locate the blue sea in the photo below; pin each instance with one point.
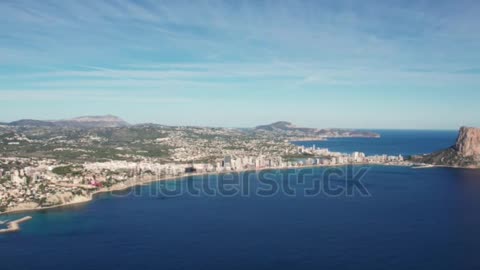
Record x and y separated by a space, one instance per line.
410 219
391 142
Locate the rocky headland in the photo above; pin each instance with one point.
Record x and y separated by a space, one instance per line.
465 153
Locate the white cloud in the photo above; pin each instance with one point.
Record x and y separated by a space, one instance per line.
82 95
302 43
328 32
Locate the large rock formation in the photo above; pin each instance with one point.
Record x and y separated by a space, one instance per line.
468 142
93 122
465 153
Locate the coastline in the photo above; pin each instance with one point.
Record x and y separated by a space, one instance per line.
429 166
149 180
125 186
326 138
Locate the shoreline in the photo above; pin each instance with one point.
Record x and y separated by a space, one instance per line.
125 186
314 139
429 166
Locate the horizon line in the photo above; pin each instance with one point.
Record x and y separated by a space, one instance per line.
237 127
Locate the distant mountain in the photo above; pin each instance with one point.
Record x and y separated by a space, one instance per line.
465 152
283 126
79 122
31 123
289 129
93 122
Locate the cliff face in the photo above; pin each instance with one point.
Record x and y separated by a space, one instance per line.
468 142
465 152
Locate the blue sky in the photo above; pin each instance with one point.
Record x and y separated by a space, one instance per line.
349 64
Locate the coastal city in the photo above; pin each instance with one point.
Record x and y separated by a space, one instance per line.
31 183
239 134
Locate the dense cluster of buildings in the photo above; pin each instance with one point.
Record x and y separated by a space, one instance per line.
322 156
207 145
31 183
40 182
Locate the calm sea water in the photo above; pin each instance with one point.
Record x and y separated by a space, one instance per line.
412 219
391 142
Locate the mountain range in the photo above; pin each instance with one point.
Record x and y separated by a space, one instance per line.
289 129
282 128
78 122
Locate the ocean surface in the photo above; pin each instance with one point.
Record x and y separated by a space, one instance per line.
408 219
391 142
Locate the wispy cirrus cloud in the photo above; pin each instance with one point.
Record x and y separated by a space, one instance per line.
107 95
222 76
172 52
332 31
